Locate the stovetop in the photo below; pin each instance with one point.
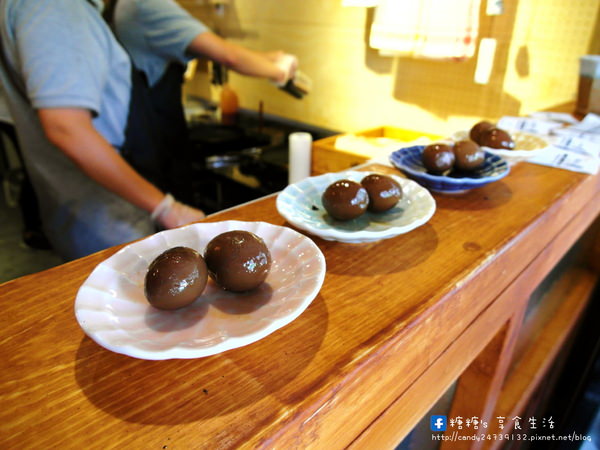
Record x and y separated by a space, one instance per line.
230 164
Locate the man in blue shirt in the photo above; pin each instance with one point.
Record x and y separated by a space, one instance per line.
68 85
162 38
158 33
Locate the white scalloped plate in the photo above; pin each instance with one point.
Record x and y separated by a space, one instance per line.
527 146
300 204
112 309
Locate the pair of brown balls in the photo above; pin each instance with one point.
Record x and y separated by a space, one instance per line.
347 199
465 156
237 261
488 135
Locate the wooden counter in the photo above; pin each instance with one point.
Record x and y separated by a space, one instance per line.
395 323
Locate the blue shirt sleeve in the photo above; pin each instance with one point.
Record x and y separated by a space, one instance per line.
169 29
156 33
57 74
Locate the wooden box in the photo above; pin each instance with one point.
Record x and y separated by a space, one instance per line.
327 158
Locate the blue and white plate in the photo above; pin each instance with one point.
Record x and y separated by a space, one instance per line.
409 161
300 204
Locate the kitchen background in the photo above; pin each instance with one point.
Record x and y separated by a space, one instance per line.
535 67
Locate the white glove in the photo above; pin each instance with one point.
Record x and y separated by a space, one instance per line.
288 65
172 214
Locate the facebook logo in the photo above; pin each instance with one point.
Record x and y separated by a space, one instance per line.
438 423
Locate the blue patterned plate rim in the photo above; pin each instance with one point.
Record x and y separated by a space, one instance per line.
301 214
495 165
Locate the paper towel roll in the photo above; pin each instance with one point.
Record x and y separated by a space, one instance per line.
300 150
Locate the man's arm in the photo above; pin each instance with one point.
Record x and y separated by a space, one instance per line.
72 131
241 59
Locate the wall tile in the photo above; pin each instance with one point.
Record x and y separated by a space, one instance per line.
536 64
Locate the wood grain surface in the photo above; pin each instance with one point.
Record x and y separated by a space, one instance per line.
387 312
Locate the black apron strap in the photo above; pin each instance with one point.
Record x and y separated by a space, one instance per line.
156 135
109 11
146 147
165 96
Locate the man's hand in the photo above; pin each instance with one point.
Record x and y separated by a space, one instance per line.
288 65
172 214
276 66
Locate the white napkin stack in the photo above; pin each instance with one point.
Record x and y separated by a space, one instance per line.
574 147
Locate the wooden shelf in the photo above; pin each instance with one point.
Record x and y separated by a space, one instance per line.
574 289
483 386
394 324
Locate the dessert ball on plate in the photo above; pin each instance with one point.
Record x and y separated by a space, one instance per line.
497 138
384 192
345 200
438 158
478 129
469 156
237 260
175 278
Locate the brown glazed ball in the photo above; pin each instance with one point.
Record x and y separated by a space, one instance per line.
469 156
175 278
497 138
238 260
478 129
345 200
438 158
384 192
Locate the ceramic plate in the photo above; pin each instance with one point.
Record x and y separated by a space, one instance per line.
527 146
409 161
113 311
301 205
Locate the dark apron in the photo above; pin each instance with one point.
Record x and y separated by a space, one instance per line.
156 133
